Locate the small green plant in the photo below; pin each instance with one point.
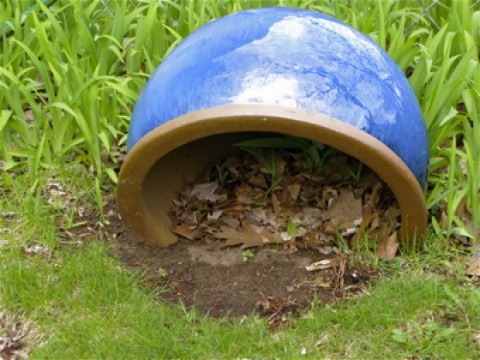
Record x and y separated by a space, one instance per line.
315 154
291 229
222 175
246 255
264 157
355 174
162 272
272 187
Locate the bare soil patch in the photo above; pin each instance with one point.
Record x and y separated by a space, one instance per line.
216 280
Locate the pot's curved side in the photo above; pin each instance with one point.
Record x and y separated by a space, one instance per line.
177 152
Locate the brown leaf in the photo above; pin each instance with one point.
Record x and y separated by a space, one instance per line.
329 195
258 180
278 308
185 231
329 229
375 223
247 195
276 204
294 191
280 164
316 238
473 266
233 163
247 238
387 247
188 218
368 216
346 211
260 216
57 196
392 212
232 222
375 197
236 211
206 192
464 213
312 217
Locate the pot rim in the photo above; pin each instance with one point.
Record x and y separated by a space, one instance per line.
265 118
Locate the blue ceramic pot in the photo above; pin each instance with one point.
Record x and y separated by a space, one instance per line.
280 70
289 57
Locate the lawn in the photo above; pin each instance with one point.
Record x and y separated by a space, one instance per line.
70 73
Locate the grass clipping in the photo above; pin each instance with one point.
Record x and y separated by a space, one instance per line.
286 197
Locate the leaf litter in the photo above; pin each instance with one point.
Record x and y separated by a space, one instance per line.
243 202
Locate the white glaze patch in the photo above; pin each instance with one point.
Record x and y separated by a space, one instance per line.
272 89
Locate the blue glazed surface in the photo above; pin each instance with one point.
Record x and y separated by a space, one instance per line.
290 57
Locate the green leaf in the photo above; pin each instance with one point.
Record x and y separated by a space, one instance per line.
291 228
4 116
111 174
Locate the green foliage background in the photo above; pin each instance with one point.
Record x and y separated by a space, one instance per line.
70 74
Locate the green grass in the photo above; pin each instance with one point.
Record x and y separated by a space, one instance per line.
69 77
87 305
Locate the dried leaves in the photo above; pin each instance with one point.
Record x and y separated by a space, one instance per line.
473 265
277 309
13 334
252 201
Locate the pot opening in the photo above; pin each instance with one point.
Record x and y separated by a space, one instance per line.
351 203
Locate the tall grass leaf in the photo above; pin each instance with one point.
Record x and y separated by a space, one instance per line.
438 195
451 208
111 174
99 196
475 27
79 119
401 48
4 116
123 89
34 167
421 75
437 162
471 99
452 112
88 84
39 65
178 39
68 147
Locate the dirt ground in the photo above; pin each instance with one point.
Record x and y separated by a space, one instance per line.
222 281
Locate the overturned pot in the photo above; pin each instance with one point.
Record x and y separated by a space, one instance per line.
271 70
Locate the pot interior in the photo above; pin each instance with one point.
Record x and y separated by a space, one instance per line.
185 165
